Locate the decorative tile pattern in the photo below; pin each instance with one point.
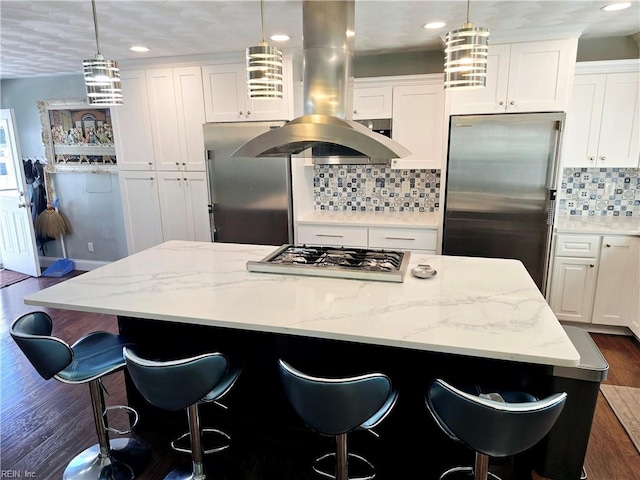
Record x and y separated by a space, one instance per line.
372 188
600 192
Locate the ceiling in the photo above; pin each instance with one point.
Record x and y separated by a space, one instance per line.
43 37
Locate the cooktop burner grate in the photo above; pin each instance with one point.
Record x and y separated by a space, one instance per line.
341 262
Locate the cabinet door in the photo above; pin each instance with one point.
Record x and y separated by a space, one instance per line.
197 206
184 206
372 102
190 114
540 75
418 124
616 280
132 124
490 99
619 144
572 287
164 118
141 210
224 92
582 126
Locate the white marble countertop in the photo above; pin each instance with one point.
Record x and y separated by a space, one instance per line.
480 307
373 219
597 225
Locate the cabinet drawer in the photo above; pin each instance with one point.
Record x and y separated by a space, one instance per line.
332 235
403 238
577 245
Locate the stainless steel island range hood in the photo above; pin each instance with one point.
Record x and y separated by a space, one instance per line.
328 31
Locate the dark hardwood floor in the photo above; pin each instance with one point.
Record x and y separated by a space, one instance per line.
45 423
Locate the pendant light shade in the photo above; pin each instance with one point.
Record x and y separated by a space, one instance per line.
264 68
466 54
102 76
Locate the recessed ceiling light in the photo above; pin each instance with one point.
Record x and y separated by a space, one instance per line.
139 48
612 7
280 37
433 25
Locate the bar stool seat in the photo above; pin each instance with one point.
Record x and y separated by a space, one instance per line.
186 383
491 425
337 406
88 360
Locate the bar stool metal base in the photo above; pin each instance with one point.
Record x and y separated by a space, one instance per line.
480 470
91 464
183 473
466 470
364 464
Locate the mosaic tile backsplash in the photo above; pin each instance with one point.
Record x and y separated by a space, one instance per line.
600 192
371 188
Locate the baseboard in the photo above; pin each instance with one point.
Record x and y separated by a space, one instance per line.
83 265
593 328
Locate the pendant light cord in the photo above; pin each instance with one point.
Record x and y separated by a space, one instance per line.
95 25
468 10
262 17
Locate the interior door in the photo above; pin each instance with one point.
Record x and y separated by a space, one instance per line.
17 237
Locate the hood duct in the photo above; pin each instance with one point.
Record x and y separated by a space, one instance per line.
328 31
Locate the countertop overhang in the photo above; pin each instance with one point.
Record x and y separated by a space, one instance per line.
479 307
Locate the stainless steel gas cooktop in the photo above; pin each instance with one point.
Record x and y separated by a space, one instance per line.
339 262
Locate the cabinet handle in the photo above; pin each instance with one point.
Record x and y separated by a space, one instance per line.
512 102
328 235
355 112
399 238
608 245
240 112
184 164
185 179
150 163
248 112
592 159
603 158
150 178
178 163
501 102
591 265
179 179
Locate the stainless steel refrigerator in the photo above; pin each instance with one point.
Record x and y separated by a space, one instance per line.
249 198
501 187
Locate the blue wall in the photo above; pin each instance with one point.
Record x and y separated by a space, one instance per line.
91 202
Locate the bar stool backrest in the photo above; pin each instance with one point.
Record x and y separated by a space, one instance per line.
491 427
32 333
176 384
333 406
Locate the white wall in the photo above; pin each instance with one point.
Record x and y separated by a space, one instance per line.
91 202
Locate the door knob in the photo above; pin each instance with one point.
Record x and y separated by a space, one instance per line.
22 205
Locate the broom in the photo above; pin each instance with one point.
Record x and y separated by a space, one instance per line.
51 223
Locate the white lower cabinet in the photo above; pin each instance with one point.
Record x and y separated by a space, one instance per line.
161 206
572 287
141 209
390 238
335 235
184 206
595 279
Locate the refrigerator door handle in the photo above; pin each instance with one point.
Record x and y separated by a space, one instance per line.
551 207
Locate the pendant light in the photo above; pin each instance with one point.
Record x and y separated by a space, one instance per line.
466 52
102 76
264 68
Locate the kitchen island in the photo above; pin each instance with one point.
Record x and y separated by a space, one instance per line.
478 320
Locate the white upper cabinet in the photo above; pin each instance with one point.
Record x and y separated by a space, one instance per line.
418 125
372 102
522 77
225 95
132 124
159 127
603 122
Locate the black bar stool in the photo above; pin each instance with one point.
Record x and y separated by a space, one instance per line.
491 425
88 360
337 406
185 383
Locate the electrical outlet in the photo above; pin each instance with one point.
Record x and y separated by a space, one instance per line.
90 246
